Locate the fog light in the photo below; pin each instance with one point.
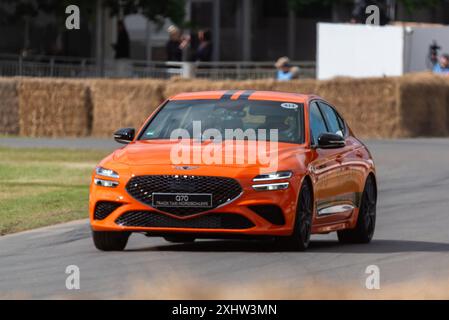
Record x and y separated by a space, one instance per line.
105 183
271 186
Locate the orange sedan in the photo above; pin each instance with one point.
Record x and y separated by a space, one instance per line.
236 164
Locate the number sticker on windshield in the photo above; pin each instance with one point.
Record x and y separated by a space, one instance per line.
289 105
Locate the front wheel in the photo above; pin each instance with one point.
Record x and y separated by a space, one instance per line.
366 221
110 240
300 238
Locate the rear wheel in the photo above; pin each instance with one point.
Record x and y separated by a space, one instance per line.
366 221
300 238
110 240
179 239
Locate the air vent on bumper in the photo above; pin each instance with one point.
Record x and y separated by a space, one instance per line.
104 208
271 213
206 221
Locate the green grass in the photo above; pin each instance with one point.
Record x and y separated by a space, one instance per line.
40 187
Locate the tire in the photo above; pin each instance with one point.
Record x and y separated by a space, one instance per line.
366 221
110 240
300 239
179 239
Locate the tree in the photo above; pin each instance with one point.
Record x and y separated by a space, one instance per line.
410 5
24 11
299 5
155 10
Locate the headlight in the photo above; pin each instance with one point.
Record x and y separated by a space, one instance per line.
273 176
106 172
271 186
105 183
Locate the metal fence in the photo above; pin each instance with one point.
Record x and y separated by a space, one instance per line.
47 66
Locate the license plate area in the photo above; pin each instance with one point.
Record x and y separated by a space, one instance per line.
182 200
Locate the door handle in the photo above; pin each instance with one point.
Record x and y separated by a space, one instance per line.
359 154
339 159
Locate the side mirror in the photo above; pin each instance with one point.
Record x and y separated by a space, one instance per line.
124 135
330 141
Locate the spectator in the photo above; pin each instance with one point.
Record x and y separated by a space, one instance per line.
204 50
173 47
284 70
295 72
121 47
442 67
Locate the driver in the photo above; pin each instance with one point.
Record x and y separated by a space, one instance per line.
281 123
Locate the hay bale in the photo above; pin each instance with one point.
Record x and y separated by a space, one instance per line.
409 106
263 84
123 103
9 106
176 86
396 107
424 110
54 107
444 81
370 106
306 86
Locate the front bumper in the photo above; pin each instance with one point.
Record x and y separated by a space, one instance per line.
286 200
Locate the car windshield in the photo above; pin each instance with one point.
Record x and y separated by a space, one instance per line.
205 119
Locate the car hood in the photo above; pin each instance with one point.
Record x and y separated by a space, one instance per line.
162 152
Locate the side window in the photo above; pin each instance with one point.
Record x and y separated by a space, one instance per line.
342 124
334 122
317 124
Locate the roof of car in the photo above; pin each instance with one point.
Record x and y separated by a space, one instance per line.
243 95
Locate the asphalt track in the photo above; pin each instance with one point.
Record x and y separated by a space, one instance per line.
411 241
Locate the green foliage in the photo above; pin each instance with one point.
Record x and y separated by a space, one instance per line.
300 5
40 187
155 10
20 9
410 5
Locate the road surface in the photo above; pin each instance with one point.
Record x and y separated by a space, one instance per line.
411 243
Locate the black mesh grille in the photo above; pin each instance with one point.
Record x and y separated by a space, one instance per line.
207 221
271 213
222 189
104 209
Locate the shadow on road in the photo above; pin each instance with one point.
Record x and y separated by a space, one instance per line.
380 246
376 246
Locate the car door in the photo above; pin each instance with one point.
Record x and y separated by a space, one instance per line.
325 169
340 202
